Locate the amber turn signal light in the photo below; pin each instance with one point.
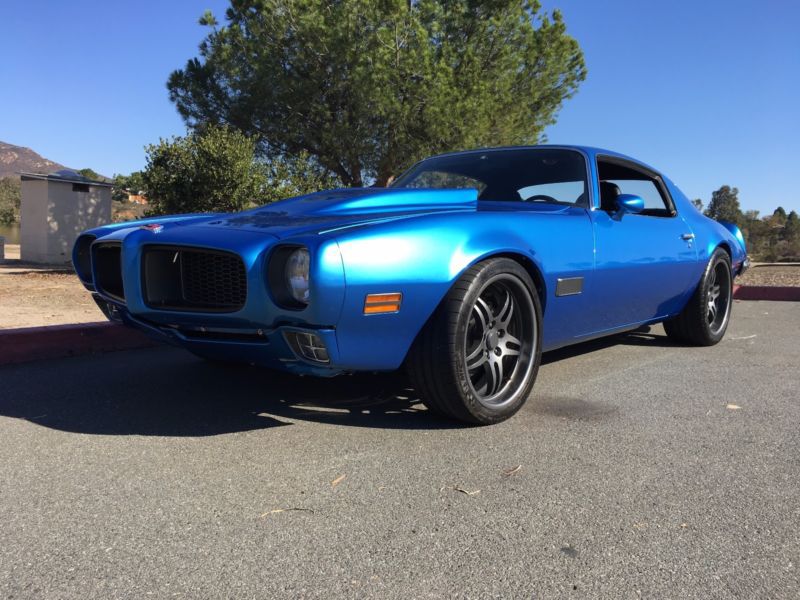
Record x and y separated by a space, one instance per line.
382 303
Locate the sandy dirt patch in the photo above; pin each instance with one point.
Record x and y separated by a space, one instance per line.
32 295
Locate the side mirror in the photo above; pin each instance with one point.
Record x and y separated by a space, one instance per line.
630 203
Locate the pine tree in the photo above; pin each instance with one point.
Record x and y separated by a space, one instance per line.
724 205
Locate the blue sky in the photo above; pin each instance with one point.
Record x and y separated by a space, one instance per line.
707 92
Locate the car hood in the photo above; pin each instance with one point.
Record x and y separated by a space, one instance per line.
317 213
330 210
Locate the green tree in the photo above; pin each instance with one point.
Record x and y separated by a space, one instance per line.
792 224
756 233
90 174
127 184
10 200
208 170
7 215
698 204
724 205
295 176
366 88
792 233
778 218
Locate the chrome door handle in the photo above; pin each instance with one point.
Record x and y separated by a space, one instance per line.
687 236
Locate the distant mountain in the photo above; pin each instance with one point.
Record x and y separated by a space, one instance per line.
18 158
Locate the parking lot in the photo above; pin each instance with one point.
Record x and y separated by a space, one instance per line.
637 468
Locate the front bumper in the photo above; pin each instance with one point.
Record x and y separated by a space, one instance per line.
745 265
250 328
261 347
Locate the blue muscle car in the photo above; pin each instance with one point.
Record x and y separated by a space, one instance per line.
464 270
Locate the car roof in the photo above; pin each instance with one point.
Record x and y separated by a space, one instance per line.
590 151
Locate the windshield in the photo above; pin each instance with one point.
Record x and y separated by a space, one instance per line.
520 175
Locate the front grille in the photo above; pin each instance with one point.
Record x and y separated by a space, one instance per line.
107 261
213 279
193 279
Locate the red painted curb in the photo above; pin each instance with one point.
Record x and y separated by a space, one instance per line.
765 292
58 341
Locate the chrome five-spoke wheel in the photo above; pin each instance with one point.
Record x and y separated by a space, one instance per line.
705 317
719 297
498 339
476 359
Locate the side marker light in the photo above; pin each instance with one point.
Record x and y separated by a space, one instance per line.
375 304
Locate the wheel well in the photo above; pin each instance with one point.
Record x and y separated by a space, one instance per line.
727 248
523 261
532 270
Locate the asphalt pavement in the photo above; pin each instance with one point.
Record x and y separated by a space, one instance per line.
637 468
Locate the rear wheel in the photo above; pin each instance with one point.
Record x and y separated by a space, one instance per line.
476 359
705 318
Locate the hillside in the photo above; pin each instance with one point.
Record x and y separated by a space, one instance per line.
14 159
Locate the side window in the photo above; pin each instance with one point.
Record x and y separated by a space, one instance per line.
620 177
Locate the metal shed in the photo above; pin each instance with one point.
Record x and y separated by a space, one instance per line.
55 209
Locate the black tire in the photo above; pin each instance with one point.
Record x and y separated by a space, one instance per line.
705 318
477 357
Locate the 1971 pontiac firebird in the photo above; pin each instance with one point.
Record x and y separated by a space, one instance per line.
464 270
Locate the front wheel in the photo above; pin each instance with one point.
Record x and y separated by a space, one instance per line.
705 318
477 357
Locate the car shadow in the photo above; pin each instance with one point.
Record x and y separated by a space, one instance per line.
167 392
643 336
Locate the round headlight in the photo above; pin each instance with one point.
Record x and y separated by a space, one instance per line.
297 268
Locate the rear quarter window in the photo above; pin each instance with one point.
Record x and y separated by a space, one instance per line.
646 189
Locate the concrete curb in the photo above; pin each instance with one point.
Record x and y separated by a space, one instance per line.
58 341
764 292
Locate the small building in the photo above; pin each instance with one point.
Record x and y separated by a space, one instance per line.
55 209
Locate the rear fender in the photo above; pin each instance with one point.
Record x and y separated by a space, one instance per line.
710 234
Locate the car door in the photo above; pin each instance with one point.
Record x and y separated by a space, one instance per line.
645 263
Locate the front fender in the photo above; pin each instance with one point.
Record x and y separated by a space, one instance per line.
423 258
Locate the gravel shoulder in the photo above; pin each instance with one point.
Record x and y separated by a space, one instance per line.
772 275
